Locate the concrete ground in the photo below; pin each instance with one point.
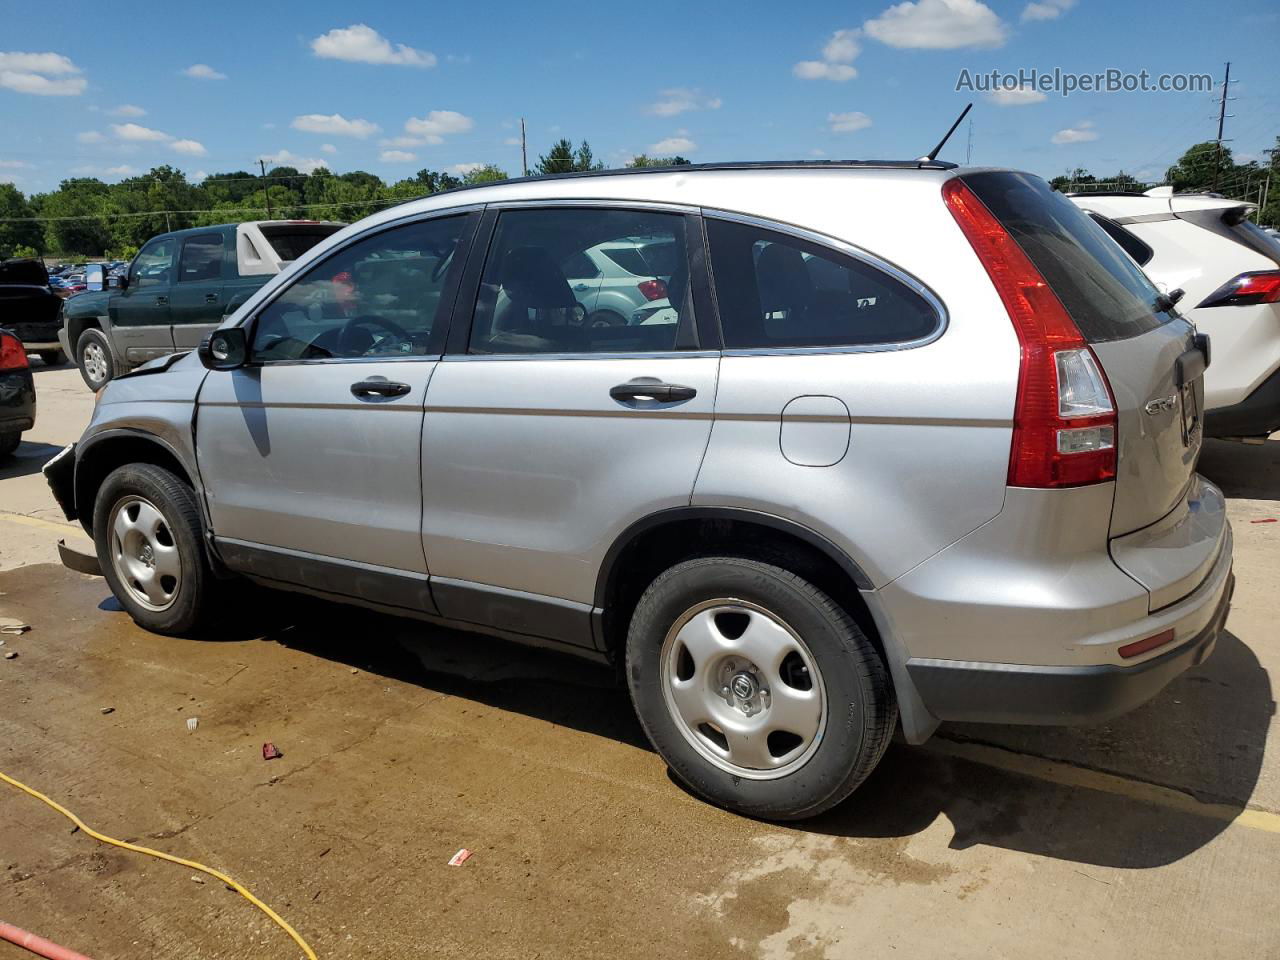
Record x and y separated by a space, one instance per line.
1155 835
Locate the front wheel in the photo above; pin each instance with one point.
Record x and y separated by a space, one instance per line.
148 534
759 691
93 357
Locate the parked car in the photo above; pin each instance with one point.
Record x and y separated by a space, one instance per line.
30 309
947 473
177 289
17 393
1229 271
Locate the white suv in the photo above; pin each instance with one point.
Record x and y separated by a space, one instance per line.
1229 270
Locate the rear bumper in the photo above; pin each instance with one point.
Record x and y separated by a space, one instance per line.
17 401
1257 415
1064 695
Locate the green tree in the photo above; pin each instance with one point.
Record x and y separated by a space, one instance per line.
563 158
644 160
13 206
1195 169
489 173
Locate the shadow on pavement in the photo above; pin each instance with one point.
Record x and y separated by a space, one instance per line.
27 459
1247 470
1204 735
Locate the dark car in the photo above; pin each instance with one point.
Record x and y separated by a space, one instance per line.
30 309
17 393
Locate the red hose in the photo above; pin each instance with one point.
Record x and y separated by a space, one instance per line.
37 945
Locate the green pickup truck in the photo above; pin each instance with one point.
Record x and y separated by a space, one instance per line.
177 289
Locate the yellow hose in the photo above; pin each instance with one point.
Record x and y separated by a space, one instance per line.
216 874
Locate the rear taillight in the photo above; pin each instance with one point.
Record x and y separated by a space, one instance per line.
1262 286
13 355
1064 419
652 289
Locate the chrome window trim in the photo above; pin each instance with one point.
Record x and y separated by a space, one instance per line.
656 355
849 250
420 217
595 204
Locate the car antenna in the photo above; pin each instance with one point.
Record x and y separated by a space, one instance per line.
932 154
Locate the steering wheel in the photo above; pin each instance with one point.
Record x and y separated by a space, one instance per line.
367 320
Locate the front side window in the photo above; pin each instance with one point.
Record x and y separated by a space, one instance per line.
777 290
379 297
201 258
154 264
528 304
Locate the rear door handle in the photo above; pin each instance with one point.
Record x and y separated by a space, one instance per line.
162 301
210 298
379 388
650 388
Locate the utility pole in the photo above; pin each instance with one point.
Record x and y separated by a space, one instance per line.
1222 116
524 157
266 186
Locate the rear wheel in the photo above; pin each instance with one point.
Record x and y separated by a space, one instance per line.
148 534
759 691
93 357
52 358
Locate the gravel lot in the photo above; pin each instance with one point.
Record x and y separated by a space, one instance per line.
1155 835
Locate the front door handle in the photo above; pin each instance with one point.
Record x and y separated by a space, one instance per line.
651 389
162 301
379 388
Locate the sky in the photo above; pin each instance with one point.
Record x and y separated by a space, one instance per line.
395 87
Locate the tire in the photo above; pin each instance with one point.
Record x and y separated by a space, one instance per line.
9 443
93 357
52 358
842 722
173 548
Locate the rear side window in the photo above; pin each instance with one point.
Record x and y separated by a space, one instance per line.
201 258
777 290
292 240
1105 292
1130 244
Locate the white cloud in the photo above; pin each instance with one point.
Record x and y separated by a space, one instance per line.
840 50
1049 10
286 159
1082 132
1015 96
462 169
90 136
674 145
437 124
192 148
408 141
360 43
41 74
334 124
12 164
938 25
848 122
132 131
198 176
202 71
328 148
128 110
124 170
511 142
818 70
680 99
397 156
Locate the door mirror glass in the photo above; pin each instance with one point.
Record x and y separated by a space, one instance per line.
224 349
95 277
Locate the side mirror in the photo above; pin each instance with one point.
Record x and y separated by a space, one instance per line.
224 349
95 277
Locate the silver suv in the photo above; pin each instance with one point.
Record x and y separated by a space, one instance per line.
917 444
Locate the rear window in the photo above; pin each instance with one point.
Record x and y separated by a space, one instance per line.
292 240
1106 294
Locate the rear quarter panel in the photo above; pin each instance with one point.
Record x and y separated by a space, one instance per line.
928 427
